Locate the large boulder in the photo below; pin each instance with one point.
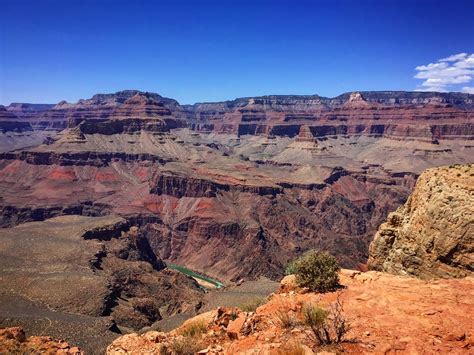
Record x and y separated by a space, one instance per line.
432 234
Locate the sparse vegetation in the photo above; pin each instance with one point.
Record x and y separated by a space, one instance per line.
327 326
182 346
234 315
252 305
317 270
193 329
286 319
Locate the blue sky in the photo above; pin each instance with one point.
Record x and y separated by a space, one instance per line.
215 50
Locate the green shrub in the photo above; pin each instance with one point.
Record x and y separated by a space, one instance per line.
316 270
290 268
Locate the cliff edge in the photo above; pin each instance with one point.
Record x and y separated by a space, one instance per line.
432 234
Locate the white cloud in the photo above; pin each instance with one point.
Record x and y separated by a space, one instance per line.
468 90
454 57
447 72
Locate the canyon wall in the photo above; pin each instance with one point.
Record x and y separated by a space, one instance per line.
237 189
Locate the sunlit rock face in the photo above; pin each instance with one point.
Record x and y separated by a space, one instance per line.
432 234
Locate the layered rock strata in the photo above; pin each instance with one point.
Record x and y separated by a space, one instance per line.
296 172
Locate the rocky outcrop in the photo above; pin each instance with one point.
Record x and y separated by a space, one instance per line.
179 186
432 234
125 125
97 159
14 341
406 315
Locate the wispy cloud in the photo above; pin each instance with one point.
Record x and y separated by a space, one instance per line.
447 73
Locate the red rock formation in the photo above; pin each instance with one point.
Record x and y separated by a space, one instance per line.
268 197
123 104
14 341
387 314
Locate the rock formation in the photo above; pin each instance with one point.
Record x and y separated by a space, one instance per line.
14 341
292 173
395 115
387 314
28 111
16 132
123 104
432 234
10 122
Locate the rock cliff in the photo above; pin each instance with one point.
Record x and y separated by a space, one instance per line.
432 234
9 122
123 104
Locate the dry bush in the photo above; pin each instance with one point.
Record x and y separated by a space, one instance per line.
182 346
328 326
193 329
286 320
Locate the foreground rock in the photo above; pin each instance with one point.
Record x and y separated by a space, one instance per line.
387 314
14 341
432 235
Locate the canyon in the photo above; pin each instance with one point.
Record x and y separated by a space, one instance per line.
250 183
114 187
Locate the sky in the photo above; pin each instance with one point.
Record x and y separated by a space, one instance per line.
197 51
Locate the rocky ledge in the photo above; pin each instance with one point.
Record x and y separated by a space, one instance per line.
14 341
432 234
434 319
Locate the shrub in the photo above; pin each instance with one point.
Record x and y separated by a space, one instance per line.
291 268
316 270
328 327
193 329
252 306
286 320
182 346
